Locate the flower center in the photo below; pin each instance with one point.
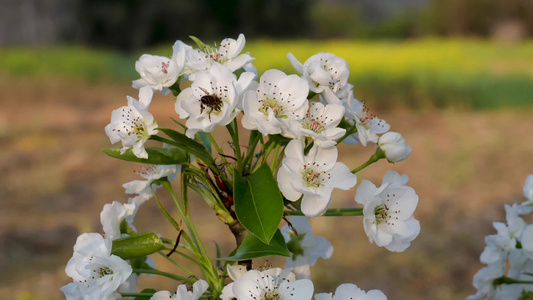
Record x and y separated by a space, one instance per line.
381 213
270 295
274 105
102 271
314 125
311 177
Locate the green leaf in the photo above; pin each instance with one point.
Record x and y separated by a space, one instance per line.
197 41
138 245
156 156
188 144
258 202
147 292
252 247
204 138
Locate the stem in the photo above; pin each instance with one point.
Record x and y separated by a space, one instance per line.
234 132
255 136
136 294
214 142
379 154
349 132
508 280
332 212
177 264
165 274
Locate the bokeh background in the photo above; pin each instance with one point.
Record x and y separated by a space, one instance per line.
454 77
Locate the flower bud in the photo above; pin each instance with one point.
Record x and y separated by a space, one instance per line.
394 146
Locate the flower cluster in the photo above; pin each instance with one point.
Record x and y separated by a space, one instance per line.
289 169
508 255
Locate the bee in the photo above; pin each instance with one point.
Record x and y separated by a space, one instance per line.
211 101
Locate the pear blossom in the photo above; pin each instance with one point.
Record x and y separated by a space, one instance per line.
228 54
348 291
368 126
321 124
159 72
223 90
314 176
483 282
198 289
95 269
145 188
273 283
306 248
278 99
113 214
388 212
326 73
394 146
133 124
78 291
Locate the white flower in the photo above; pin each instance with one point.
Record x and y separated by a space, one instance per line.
348 291
321 124
269 284
227 54
198 289
306 248
388 211
277 100
133 124
212 99
326 73
394 146
368 125
95 268
144 188
528 188
483 282
314 176
159 72
112 215
78 291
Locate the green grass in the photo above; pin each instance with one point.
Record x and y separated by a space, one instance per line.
418 73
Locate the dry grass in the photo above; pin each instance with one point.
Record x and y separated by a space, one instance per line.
55 180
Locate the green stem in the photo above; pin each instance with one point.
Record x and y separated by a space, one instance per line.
349 132
379 154
177 264
136 294
219 150
165 274
255 136
234 132
508 280
332 212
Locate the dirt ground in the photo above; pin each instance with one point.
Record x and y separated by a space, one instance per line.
55 180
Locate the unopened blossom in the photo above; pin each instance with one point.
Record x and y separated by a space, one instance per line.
348 291
159 72
212 99
368 125
306 248
198 289
314 176
528 188
112 216
326 73
94 267
388 212
394 146
227 54
321 124
150 173
278 99
133 124
269 284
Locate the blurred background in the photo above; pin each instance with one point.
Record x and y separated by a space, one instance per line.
454 77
